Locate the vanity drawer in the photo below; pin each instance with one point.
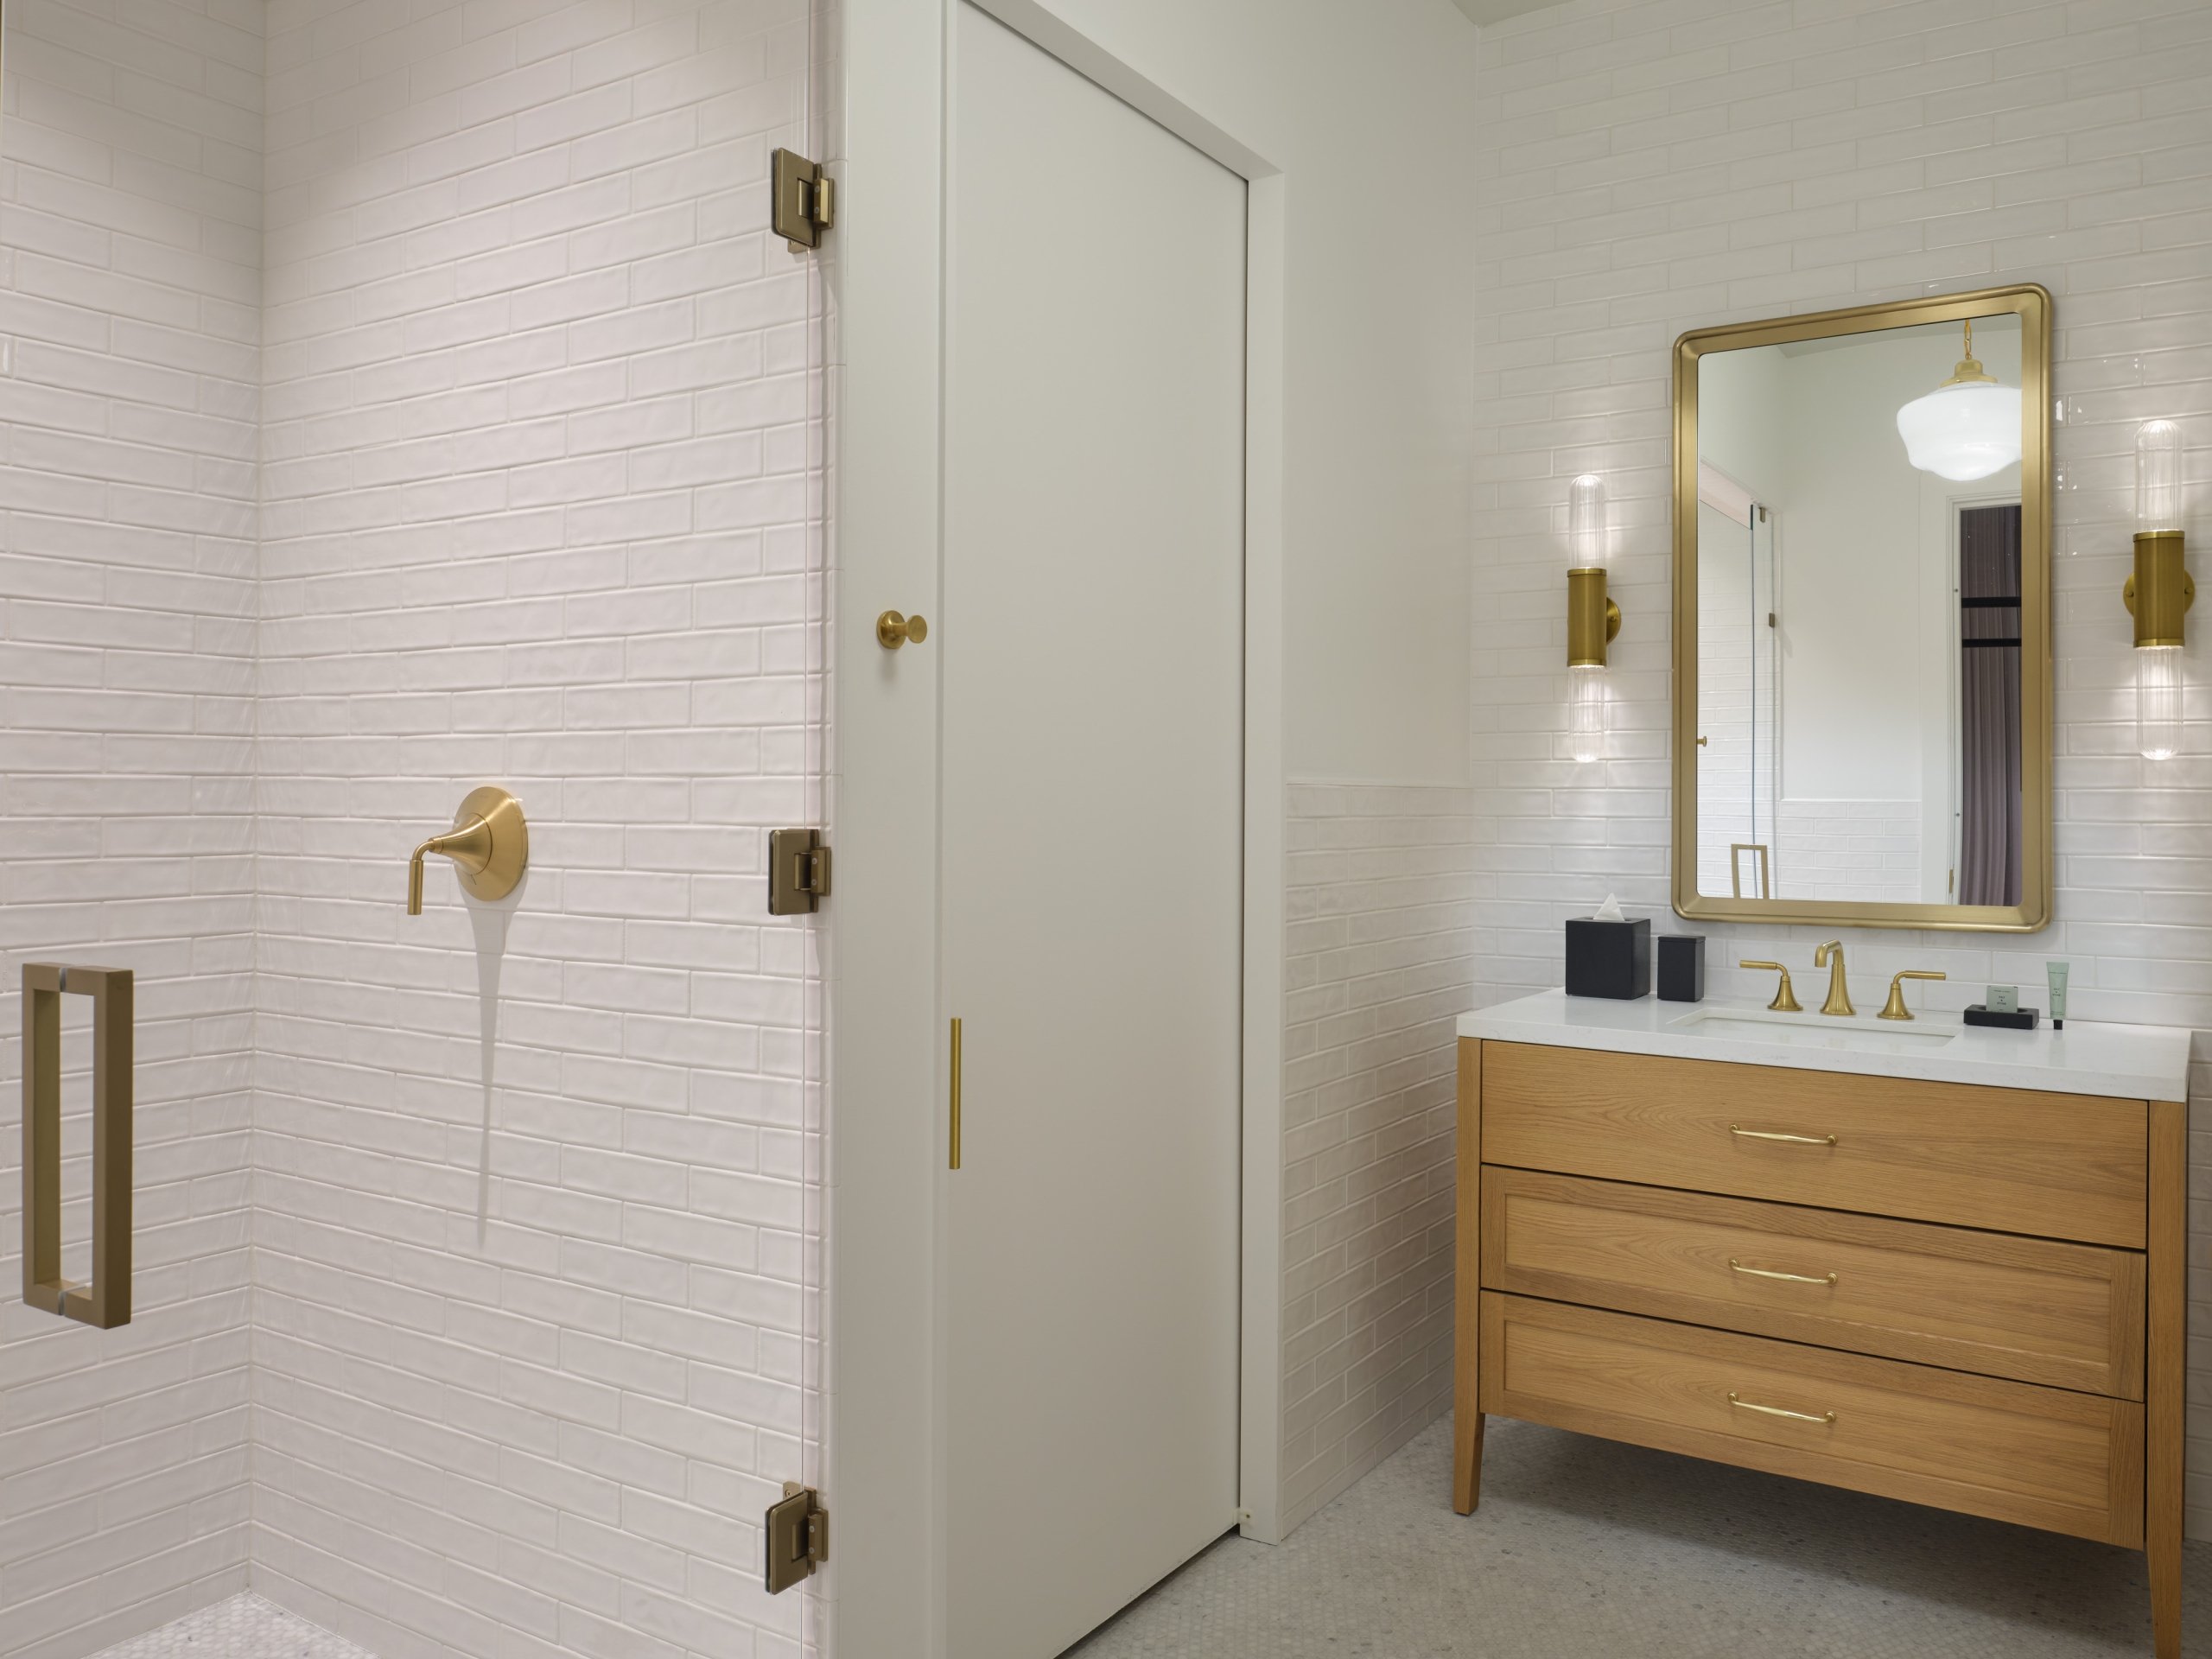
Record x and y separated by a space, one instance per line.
2067 1315
2009 1159
2046 1457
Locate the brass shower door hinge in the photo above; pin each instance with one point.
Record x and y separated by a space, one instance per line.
804 200
797 1531
799 872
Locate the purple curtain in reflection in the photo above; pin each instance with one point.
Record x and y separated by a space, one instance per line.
1989 705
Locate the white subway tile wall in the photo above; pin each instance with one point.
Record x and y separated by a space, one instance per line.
1667 164
530 1217
1866 852
129 289
1379 964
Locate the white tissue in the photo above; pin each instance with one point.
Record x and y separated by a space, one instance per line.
1610 911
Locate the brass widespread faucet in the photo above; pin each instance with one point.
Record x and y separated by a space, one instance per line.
1830 956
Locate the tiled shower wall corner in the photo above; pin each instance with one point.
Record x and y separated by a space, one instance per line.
129 284
1380 962
531 1269
1653 168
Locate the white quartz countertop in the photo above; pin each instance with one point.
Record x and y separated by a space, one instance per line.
2123 1062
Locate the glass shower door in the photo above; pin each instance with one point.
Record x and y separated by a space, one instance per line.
388 415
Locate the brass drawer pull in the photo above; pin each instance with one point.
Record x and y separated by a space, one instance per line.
1778 1411
1777 1135
1734 1265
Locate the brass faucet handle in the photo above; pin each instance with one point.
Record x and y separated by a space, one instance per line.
1785 1000
489 845
1895 1008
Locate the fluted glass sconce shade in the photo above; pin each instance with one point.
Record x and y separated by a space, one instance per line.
1586 521
2160 592
2158 477
1967 427
1586 711
2158 702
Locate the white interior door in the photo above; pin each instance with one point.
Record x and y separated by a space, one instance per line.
1093 753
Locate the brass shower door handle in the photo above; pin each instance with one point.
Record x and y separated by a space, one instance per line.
106 1302
489 845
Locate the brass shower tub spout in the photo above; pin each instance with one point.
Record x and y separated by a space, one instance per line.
489 845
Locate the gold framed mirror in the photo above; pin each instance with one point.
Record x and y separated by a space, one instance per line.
1862 616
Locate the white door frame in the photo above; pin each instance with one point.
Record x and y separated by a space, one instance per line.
885 1162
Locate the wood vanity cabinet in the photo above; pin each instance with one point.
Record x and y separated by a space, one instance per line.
1961 1295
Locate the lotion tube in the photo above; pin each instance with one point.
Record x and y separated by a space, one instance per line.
2056 973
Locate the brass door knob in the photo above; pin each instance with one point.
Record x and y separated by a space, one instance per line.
892 630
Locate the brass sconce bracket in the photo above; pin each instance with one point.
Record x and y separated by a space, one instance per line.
489 845
1593 619
2161 591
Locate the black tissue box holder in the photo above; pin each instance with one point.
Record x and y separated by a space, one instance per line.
2019 1019
1682 967
1611 959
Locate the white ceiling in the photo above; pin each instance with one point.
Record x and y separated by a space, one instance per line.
1496 11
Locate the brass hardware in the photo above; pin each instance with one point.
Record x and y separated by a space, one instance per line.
803 200
1782 1134
1895 1008
1734 1265
2161 591
106 1302
1830 956
1785 1000
1593 619
1702 741
953 1162
2033 307
1969 372
798 1534
892 630
1742 1404
1736 851
799 872
489 845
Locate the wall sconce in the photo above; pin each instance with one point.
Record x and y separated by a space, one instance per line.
1593 619
2160 592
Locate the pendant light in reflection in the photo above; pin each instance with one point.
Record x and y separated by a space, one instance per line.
1967 427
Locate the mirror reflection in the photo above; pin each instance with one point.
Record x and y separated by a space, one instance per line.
1859 618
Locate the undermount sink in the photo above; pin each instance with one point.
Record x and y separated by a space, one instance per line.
1858 1033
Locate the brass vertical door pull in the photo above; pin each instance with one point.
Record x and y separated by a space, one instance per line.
106 1302
953 1159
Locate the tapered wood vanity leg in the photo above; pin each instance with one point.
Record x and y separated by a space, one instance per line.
2165 1371
1467 1266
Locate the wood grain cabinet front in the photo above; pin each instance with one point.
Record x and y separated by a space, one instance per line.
1965 1296
2011 1160
2032 1309
2047 1458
